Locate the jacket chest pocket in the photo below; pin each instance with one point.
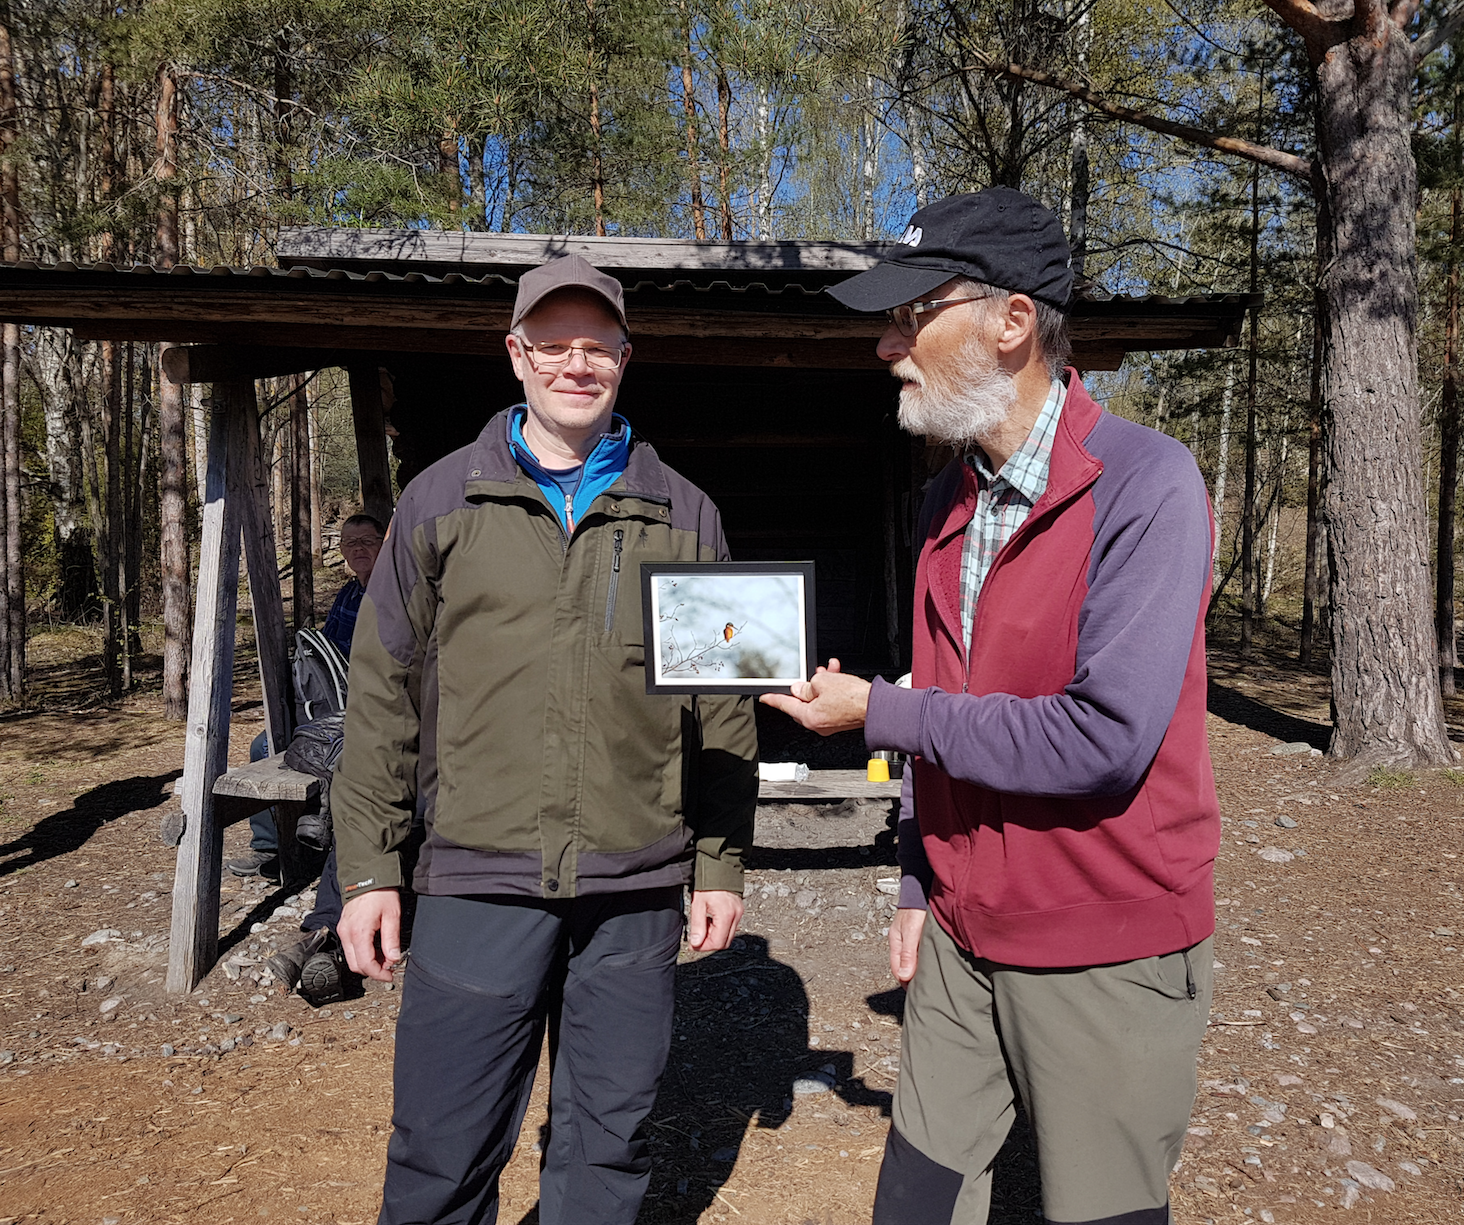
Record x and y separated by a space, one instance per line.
619 621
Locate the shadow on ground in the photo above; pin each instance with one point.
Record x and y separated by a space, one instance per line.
1235 707
68 830
741 1042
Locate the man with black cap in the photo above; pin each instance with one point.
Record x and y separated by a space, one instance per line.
1059 824
498 688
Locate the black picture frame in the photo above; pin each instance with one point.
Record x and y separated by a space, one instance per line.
681 602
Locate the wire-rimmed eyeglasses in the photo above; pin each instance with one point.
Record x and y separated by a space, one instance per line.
555 356
907 317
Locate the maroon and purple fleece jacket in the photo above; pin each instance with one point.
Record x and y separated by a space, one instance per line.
1061 808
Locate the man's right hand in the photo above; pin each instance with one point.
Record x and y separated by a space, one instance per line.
362 919
904 944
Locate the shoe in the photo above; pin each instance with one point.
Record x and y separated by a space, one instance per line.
323 976
287 963
256 863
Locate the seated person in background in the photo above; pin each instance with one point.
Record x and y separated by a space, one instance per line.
361 537
316 965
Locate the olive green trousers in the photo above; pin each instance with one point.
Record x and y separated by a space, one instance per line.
1103 1058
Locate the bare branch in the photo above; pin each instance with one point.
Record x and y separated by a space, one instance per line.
1443 32
1277 159
1303 17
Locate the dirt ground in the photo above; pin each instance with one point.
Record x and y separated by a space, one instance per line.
1332 1077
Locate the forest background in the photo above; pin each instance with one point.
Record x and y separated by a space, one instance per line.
172 131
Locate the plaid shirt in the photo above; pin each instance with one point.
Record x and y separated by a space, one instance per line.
1004 501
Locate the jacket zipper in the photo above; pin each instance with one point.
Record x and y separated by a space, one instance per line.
614 580
569 512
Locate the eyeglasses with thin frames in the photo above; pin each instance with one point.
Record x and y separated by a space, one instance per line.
555 356
907 318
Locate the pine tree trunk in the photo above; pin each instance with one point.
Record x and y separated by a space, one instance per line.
14 562
317 554
724 147
172 432
1222 467
1310 575
1078 152
1248 502
125 462
111 544
1448 459
1385 685
693 165
12 577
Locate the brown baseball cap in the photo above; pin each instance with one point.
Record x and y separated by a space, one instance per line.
566 272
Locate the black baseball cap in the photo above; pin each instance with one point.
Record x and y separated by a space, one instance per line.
998 236
567 272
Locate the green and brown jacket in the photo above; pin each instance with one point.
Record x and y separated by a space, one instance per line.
498 687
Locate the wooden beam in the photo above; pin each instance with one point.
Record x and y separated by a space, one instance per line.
249 486
244 362
194 933
370 420
331 246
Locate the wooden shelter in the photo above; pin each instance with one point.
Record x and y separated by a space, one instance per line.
746 377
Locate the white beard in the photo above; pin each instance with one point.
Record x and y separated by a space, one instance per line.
959 404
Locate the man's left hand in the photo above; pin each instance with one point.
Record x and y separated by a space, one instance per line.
832 701
715 914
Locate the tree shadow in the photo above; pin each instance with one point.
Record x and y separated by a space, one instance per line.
1235 707
741 1041
69 830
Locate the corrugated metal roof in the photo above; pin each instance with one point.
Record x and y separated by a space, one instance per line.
499 285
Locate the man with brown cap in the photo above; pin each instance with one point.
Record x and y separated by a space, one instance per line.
498 688
1059 825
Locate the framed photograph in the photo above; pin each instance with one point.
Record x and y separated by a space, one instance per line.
727 627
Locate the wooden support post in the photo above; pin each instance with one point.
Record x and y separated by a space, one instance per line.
194 940
370 419
249 486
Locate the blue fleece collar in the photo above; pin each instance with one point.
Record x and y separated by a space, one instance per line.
601 470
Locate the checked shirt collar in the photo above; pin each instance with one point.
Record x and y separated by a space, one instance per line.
1004 500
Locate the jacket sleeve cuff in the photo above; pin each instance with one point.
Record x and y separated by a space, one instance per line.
714 871
894 717
912 893
382 872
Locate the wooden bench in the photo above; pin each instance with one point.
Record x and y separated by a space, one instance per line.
824 785
269 783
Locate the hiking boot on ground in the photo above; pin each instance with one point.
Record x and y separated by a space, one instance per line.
287 963
256 863
323 976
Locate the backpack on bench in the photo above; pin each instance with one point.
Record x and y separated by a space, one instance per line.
320 676
319 671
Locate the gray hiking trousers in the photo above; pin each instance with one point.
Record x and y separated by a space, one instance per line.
485 978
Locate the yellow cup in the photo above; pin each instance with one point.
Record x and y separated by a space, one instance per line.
878 770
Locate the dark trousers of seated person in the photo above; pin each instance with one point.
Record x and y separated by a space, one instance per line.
487 976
